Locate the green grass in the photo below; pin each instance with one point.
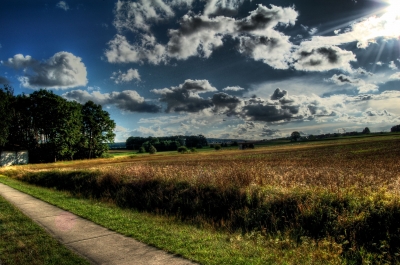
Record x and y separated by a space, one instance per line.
201 244
24 242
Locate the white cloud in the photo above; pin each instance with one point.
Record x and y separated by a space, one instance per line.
120 77
395 76
63 5
392 65
63 70
227 7
360 84
137 15
121 51
200 35
185 97
127 100
233 88
364 31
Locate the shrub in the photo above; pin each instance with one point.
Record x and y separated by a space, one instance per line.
217 147
152 150
193 150
142 150
182 149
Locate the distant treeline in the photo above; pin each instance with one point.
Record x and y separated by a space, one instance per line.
169 143
52 128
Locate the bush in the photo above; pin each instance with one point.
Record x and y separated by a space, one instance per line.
182 149
217 147
193 150
142 150
152 150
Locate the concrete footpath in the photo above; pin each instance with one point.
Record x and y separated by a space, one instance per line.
96 243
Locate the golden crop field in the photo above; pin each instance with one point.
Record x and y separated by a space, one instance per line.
346 190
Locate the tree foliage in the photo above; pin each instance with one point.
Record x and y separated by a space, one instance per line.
170 143
295 136
366 130
52 128
6 94
395 128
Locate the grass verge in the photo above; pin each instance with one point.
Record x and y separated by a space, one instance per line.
204 245
24 242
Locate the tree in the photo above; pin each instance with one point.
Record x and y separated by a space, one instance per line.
366 130
97 129
6 96
152 150
395 128
295 136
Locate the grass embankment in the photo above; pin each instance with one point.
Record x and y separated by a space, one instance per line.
336 202
24 242
204 245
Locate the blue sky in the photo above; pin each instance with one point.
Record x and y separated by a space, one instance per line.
248 69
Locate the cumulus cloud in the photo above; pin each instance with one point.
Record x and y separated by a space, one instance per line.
185 97
313 58
63 5
62 70
274 50
395 76
233 88
278 94
120 77
270 133
199 34
361 85
137 15
121 51
127 100
222 7
392 65
225 103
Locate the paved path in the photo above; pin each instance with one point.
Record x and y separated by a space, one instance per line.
96 243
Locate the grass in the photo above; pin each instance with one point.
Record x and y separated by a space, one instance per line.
332 201
204 245
24 242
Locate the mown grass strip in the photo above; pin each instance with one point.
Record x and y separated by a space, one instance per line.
203 245
24 242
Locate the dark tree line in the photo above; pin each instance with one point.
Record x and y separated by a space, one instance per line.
170 143
52 128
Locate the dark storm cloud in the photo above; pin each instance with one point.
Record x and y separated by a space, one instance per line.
127 100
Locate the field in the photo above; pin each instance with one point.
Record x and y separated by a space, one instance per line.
336 202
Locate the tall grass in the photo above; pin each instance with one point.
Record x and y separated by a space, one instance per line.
348 193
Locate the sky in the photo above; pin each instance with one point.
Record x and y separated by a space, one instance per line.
233 69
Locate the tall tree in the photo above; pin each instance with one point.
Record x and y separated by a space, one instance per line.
97 129
295 136
6 96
